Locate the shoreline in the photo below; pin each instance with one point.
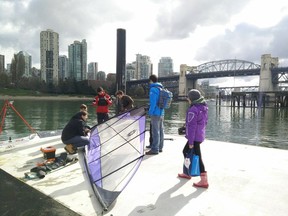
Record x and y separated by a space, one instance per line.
60 97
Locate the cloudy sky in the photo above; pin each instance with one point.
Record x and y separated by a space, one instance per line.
191 32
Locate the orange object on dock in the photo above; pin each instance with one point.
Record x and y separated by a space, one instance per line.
49 152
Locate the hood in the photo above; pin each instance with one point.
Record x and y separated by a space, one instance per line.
156 85
201 100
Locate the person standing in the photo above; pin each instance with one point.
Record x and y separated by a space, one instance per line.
126 102
196 121
75 133
102 101
156 116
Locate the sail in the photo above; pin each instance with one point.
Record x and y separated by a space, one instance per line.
114 154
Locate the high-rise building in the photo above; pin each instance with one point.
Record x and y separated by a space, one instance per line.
92 70
143 67
131 71
63 67
77 53
49 56
21 66
165 67
2 63
9 68
101 75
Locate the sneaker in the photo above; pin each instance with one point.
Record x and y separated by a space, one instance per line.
148 146
160 150
151 153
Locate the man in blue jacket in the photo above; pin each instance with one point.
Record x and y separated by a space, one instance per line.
157 117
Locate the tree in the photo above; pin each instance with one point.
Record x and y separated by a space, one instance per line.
139 92
4 80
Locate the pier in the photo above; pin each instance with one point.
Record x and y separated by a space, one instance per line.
243 180
258 99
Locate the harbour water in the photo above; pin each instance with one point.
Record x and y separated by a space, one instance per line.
259 127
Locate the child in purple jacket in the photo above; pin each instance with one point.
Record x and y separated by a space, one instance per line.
196 121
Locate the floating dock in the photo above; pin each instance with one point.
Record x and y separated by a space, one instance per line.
243 180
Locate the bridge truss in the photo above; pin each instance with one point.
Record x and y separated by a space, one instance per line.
226 65
217 69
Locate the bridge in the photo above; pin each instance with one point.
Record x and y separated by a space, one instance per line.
187 79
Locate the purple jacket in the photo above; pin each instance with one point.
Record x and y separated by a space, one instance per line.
196 121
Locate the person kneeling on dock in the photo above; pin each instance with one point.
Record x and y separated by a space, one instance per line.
75 133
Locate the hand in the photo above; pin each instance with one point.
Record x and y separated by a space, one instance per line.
191 146
107 97
87 131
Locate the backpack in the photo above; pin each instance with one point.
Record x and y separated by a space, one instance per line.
165 98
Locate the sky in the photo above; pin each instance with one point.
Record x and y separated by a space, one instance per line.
191 32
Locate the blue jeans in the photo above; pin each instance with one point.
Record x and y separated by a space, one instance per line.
157 133
78 141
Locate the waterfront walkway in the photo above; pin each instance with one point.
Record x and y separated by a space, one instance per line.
244 180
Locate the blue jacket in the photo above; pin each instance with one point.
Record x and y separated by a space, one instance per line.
196 121
154 110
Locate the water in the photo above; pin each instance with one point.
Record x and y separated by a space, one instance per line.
259 127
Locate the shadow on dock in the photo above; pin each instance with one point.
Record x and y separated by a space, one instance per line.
18 198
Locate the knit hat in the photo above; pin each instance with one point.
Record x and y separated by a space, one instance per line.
194 95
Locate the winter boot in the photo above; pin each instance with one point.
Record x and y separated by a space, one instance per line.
183 175
203 182
70 149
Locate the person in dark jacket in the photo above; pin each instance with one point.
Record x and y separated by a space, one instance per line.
196 121
126 102
75 133
102 101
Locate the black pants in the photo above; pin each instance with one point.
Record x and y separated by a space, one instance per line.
197 151
101 117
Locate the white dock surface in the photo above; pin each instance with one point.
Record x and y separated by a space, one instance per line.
244 180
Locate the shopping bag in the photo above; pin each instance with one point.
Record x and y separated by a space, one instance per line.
194 167
186 165
191 164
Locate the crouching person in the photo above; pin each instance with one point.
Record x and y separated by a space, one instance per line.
75 133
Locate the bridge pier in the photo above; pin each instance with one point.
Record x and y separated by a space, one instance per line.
236 97
265 79
281 99
259 99
183 82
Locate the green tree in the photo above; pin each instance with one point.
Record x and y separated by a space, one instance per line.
4 80
139 92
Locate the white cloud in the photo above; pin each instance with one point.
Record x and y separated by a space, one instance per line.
190 32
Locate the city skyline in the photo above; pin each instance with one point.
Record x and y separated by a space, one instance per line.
189 32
